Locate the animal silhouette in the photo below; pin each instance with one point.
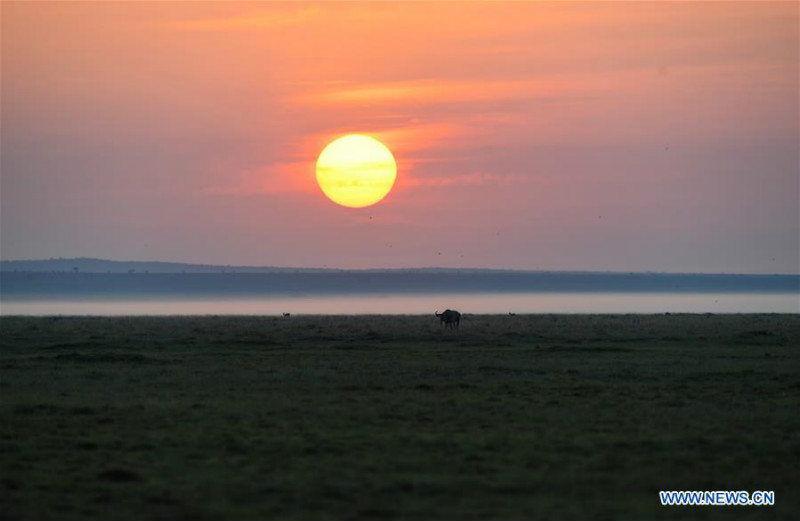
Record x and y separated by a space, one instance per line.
449 318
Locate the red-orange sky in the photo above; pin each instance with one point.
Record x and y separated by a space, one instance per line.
619 136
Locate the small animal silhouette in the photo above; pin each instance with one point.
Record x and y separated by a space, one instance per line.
287 315
449 318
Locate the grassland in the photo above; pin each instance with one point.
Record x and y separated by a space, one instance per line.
523 417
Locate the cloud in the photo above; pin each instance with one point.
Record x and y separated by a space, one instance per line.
435 91
469 179
260 20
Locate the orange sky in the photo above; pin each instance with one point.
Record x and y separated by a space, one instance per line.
607 135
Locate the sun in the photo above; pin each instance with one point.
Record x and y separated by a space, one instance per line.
356 171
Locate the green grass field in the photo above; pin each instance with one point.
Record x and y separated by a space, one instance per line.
382 417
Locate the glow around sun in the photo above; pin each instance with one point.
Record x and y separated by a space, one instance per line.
356 171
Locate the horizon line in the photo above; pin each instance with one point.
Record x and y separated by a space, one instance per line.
419 268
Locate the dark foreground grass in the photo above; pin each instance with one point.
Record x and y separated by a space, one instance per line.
563 417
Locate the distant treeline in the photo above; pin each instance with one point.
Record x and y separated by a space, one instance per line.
77 284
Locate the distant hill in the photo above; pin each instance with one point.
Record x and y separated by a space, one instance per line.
96 278
91 265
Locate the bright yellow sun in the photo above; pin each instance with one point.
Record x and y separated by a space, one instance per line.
356 171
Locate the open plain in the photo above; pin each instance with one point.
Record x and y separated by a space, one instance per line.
395 417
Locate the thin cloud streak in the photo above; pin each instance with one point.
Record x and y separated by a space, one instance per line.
250 21
435 91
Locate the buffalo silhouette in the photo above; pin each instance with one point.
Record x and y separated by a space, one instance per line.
449 318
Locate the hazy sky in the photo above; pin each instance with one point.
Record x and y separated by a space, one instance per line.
592 136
